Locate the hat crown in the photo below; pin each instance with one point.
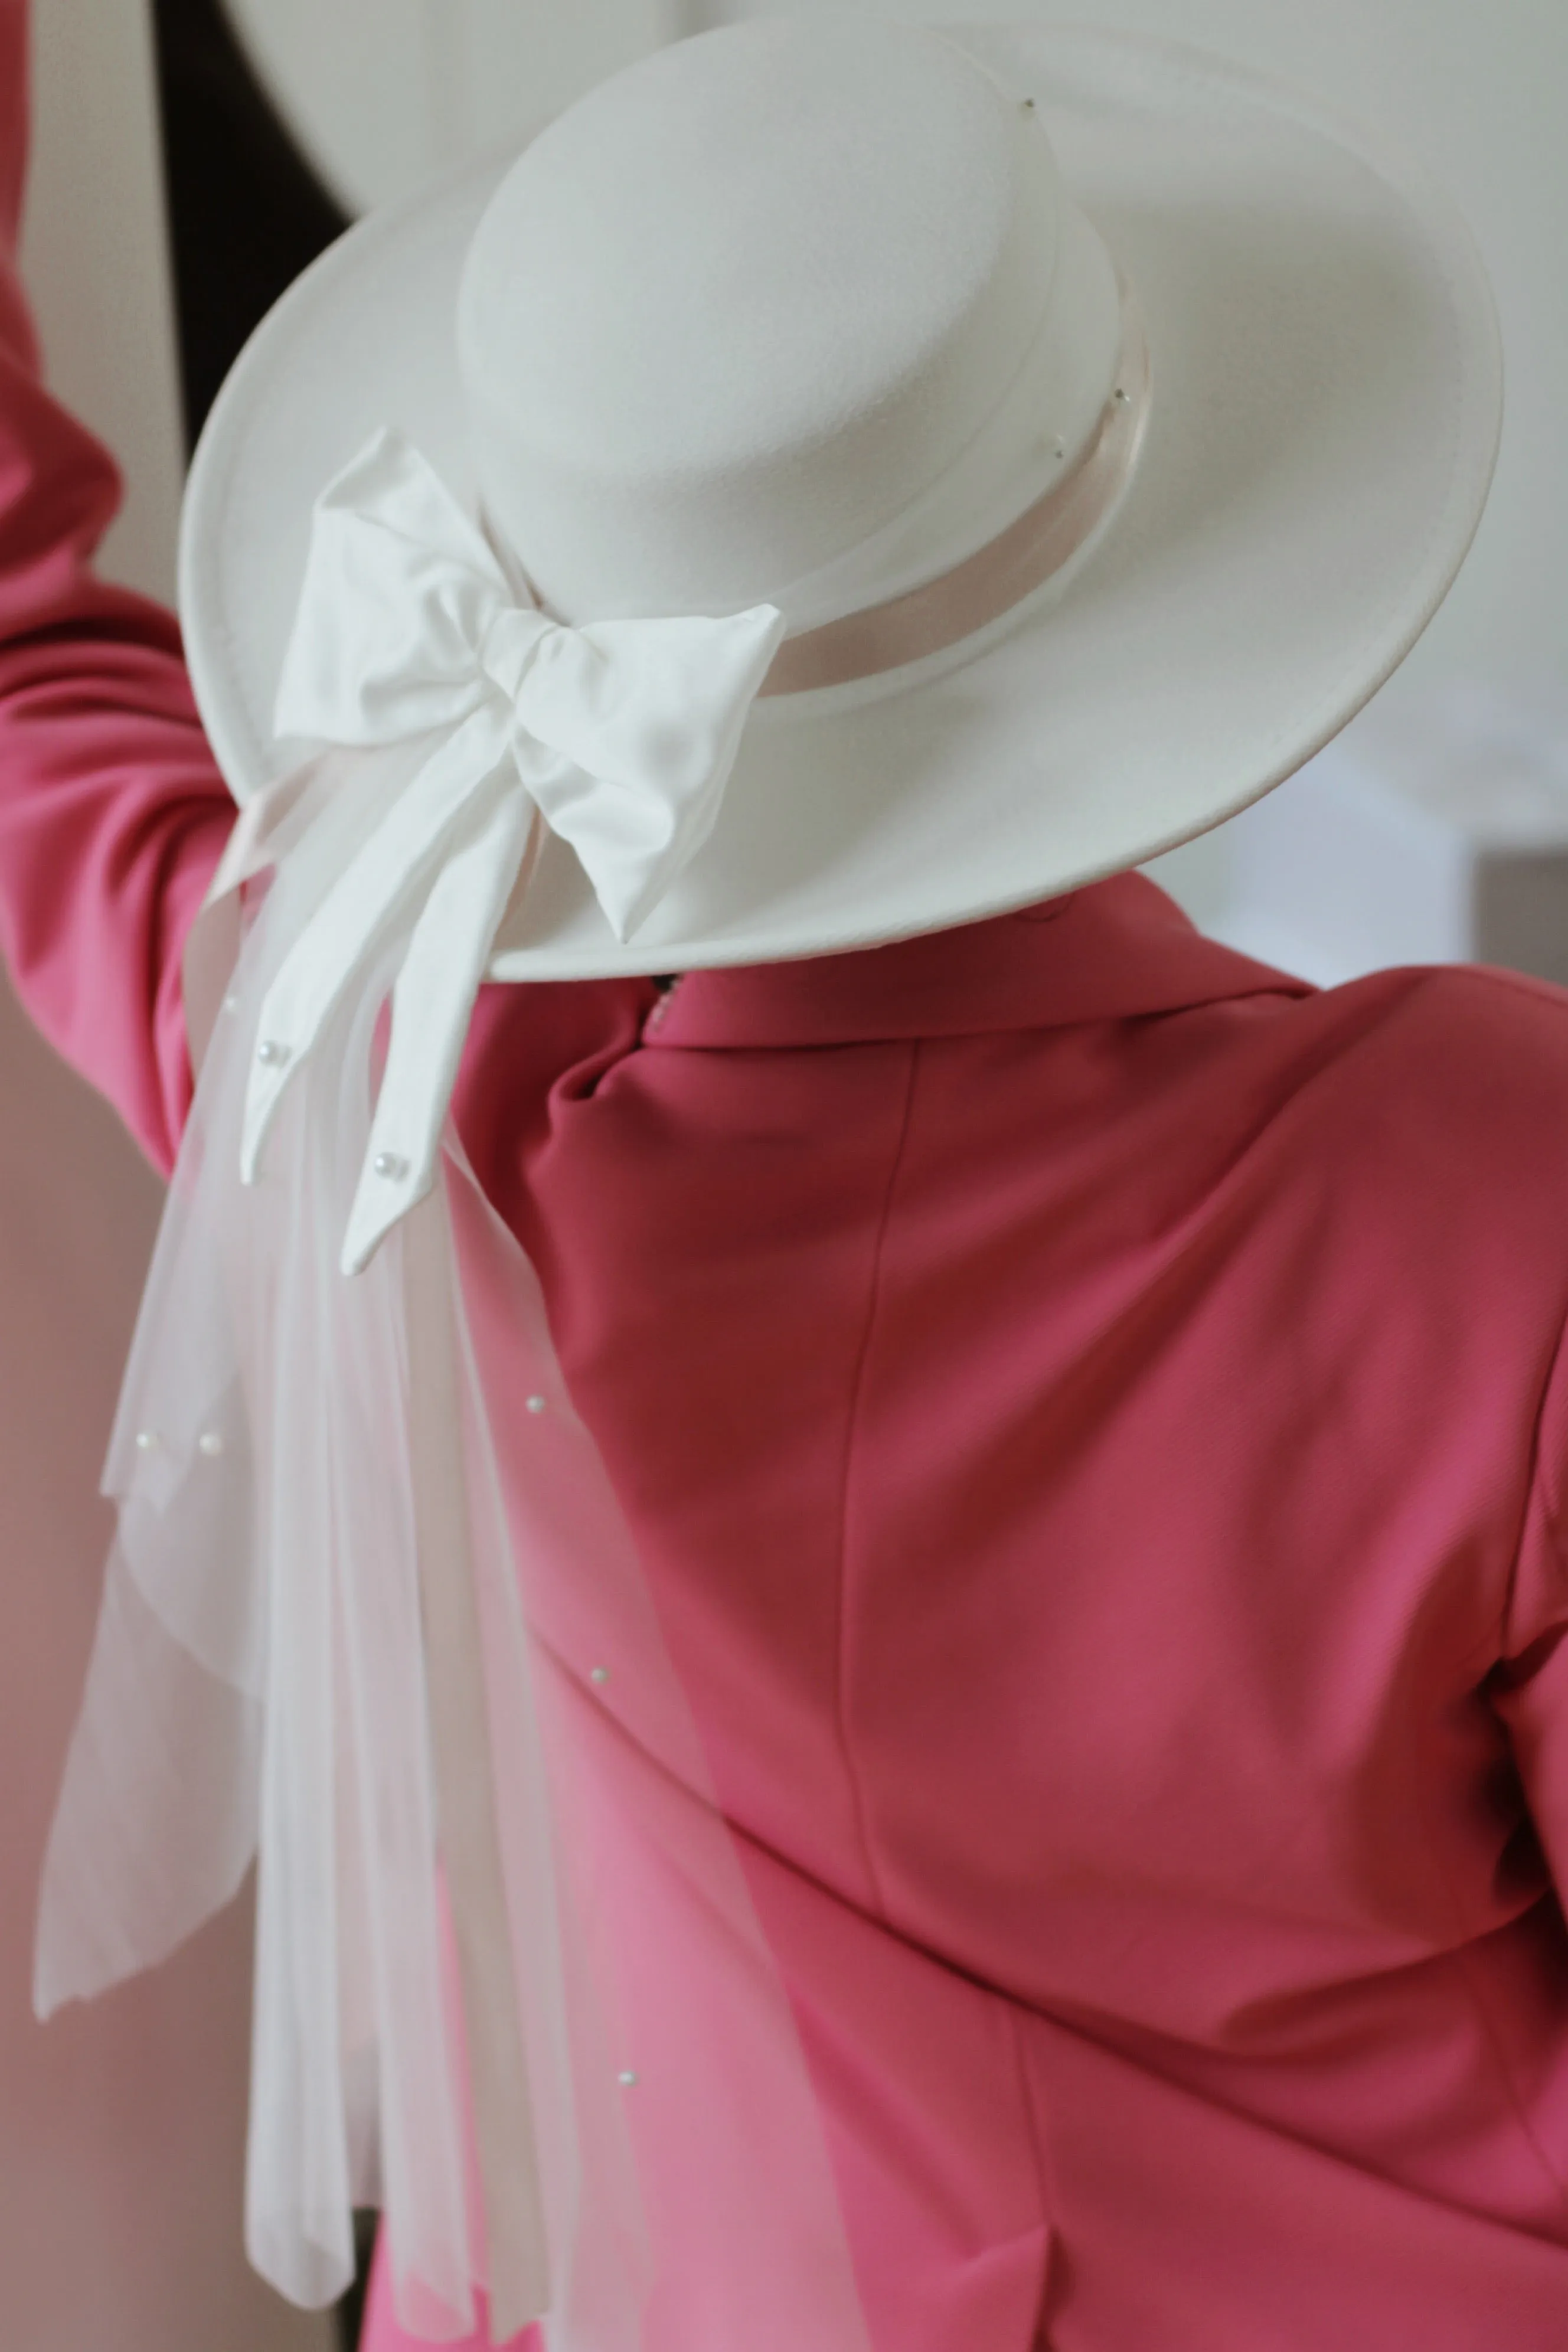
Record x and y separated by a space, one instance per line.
747 304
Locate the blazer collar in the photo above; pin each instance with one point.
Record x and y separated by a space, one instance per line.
1110 952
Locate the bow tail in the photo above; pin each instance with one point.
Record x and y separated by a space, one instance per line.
432 999
383 877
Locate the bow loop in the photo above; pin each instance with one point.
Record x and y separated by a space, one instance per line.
620 736
399 591
643 718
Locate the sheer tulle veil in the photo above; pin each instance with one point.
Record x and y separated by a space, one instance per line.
365 1549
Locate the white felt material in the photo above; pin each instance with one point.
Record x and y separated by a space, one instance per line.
1326 404
856 232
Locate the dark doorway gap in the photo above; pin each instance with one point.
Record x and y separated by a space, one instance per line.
247 211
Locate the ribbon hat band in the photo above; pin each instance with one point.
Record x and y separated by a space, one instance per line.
619 736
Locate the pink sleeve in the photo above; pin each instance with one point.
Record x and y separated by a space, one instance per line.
112 812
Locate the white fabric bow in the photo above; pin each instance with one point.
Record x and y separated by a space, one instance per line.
351 1603
621 736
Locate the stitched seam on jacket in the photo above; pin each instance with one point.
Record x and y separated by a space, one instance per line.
851 1429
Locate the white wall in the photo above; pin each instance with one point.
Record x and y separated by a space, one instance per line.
96 261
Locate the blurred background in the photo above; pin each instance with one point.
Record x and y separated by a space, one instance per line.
190 157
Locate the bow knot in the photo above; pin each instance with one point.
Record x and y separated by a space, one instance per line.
619 736
511 639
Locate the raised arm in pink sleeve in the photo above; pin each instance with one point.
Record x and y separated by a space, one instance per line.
112 812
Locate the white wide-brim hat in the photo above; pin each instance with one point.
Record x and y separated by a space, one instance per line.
1289 505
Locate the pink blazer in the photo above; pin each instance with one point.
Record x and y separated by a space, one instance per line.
1089 1408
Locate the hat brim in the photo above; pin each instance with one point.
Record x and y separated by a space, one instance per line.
1326 407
